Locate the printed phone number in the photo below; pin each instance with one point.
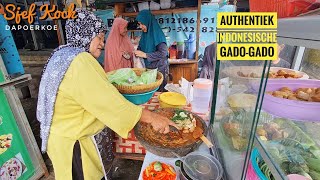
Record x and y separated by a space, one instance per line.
184 20
190 29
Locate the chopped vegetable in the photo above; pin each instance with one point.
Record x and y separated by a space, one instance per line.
158 171
157 166
184 120
315 175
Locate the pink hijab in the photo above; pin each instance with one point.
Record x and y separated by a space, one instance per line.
115 46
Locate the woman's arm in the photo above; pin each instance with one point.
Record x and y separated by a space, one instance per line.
99 97
160 53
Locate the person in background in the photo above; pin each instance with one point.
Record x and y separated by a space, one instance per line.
77 104
118 49
280 62
209 61
152 46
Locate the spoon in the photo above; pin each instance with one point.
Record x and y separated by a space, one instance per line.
198 133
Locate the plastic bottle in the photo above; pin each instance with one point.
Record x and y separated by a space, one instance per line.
190 47
180 50
202 90
173 52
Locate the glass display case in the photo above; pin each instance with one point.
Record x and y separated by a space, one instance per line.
267 116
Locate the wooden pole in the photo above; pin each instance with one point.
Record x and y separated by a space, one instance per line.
198 29
59 26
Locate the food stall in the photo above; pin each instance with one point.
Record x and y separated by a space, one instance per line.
260 133
266 119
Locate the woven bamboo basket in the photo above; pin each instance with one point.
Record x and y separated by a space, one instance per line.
138 88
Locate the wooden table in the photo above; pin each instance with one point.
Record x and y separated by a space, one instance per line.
185 68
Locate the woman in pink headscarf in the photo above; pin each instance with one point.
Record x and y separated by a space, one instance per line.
119 50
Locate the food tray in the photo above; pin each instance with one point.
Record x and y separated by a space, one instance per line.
139 88
292 109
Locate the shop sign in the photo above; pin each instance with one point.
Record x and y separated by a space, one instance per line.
247 36
14 13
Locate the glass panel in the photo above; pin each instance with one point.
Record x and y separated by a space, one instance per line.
236 108
311 63
287 136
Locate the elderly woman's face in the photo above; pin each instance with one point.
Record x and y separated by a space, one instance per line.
97 45
143 27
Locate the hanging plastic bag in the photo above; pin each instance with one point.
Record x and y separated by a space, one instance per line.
138 62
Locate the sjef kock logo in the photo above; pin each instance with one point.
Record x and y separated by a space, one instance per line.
14 13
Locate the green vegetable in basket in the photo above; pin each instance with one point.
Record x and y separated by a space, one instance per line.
148 77
315 151
313 164
294 156
296 168
285 167
314 175
125 76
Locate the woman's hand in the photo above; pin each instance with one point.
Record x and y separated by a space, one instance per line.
140 54
126 55
158 122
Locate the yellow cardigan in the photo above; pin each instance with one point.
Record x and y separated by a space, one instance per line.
86 102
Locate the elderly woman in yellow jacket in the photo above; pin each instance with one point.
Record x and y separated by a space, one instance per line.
77 103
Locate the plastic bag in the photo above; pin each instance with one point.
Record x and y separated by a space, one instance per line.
138 62
149 76
125 76
128 77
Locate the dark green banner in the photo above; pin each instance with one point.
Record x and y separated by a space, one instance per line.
15 161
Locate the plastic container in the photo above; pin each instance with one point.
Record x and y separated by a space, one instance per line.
143 5
202 90
254 156
180 50
165 4
154 5
172 100
140 98
297 110
190 47
204 166
173 52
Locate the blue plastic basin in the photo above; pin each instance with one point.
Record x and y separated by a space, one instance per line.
140 98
